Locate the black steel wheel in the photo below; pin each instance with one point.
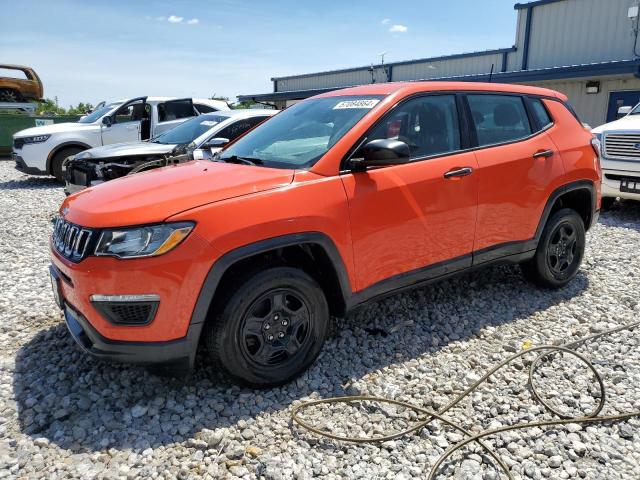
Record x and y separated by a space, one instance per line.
276 327
562 248
560 251
270 329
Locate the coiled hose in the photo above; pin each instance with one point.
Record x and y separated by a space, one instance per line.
543 352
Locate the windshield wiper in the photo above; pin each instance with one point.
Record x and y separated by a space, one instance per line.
243 160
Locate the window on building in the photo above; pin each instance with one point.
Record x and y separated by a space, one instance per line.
175 109
541 114
429 125
499 118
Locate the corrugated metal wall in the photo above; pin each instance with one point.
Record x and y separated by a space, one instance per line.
327 80
448 68
576 32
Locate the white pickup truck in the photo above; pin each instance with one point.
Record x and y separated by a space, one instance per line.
42 150
620 156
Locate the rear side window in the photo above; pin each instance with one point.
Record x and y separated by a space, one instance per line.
204 108
540 113
499 118
429 125
236 129
175 110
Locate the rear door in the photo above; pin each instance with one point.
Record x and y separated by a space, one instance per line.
172 113
518 167
408 217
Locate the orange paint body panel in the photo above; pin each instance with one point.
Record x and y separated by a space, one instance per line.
407 216
385 223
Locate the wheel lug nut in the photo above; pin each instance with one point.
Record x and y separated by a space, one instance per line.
270 337
281 335
267 326
284 323
276 316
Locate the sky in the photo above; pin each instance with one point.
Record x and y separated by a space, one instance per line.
88 51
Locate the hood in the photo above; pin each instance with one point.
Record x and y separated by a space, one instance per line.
630 122
125 149
156 195
55 128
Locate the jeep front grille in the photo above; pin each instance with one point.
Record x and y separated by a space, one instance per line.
622 145
70 240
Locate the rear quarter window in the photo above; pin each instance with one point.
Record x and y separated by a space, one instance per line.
540 113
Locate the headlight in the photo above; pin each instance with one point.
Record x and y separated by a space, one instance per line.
36 139
147 241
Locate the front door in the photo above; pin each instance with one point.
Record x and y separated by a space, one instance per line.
126 123
408 217
628 98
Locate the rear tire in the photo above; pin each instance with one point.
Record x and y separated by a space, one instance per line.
57 169
560 251
270 329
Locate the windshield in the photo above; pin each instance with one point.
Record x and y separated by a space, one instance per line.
301 134
636 110
188 131
96 114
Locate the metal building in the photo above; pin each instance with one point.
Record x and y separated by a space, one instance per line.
587 49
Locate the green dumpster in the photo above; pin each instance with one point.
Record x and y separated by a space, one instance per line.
12 123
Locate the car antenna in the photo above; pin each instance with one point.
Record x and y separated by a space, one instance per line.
491 73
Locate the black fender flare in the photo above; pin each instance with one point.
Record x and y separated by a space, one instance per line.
222 264
557 193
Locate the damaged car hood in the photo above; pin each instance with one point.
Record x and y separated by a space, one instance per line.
158 194
125 149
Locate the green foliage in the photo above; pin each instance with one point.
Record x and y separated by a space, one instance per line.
81 109
49 107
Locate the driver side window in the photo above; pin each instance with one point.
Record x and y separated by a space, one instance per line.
429 125
132 112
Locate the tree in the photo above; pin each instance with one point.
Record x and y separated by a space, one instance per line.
49 107
81 109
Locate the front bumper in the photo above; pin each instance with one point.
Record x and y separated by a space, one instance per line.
21 166
179 353
611 184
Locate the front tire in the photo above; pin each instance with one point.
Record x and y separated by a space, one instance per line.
270 329
57 168
560 251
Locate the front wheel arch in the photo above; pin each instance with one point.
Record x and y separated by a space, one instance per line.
58 148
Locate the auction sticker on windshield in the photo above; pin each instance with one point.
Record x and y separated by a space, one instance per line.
208 123
369 103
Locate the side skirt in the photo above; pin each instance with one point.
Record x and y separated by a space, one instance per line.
507 253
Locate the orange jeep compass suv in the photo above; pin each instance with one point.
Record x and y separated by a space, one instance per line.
338 200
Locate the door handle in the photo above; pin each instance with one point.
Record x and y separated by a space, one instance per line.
543 154
459 172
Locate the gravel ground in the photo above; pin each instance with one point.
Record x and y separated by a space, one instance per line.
65 415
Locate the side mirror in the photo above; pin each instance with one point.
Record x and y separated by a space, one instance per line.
623 111
382 152
216 142
107 121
